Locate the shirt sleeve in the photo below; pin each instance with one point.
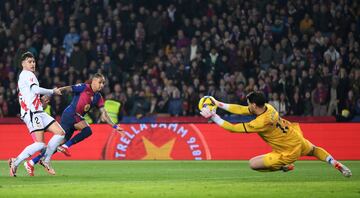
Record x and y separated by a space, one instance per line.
255 126
31 79
239 109
33 83
78 88
235 109
39 90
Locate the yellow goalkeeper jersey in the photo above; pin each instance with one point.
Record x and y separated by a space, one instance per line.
279 133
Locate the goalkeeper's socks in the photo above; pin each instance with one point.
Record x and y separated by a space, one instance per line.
322 155
331 160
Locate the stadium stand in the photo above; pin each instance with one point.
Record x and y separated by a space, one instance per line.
165 55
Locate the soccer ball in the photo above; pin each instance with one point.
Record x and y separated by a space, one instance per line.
205 102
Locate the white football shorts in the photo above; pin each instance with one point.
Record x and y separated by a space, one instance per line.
37 121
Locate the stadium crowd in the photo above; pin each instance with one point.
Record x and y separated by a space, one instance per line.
161 56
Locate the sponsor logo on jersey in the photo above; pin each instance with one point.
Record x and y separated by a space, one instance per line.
86 107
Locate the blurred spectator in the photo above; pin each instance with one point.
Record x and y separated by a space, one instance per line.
78 58
3 107
306 24
175 104
275 101
140 106
266 55
319 97
296 105
308 107
333 103
69 40
283 105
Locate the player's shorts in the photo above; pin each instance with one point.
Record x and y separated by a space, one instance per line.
275 160
37 121
68 119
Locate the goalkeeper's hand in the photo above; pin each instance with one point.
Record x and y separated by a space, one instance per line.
214 100
207 113
218 103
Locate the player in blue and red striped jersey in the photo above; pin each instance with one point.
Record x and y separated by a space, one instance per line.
85 96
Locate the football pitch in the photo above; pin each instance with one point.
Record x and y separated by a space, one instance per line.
179 179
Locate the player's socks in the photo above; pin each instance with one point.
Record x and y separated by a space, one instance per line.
330 160
85 132
54 142
36 159
322 155
68 144
28 151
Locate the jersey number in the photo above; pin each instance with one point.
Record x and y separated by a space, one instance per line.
280 124
37 120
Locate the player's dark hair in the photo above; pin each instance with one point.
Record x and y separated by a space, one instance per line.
257 97
26 55
20 56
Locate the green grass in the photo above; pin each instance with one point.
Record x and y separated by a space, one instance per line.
179 179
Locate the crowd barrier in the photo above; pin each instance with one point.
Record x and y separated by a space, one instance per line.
169 141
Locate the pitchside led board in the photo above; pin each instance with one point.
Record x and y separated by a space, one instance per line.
183 142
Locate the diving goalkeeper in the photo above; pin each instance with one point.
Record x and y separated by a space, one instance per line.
284 137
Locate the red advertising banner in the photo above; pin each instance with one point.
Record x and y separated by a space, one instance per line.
183 142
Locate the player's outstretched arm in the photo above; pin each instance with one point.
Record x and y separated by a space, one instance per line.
232 108
105 116
238 128
65 89
39 90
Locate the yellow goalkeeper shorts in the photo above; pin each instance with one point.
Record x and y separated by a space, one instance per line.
275 160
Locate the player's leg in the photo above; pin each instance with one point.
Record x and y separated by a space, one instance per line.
266 163
69 129
257 163
54 142
31 163
67 122
323 155
85 132
270 162
38 137
36 127
58 137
